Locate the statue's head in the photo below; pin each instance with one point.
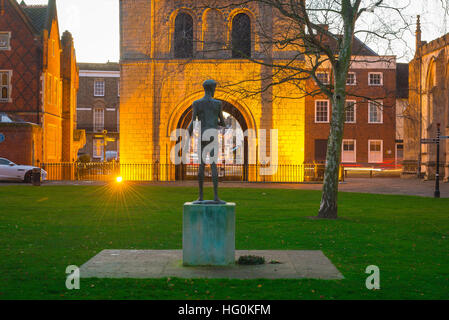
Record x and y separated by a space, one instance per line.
210 86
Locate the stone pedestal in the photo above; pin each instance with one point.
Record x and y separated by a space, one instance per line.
208 237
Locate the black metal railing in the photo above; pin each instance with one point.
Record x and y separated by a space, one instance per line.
78 171
106 171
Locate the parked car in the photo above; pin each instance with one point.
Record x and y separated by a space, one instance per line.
11 171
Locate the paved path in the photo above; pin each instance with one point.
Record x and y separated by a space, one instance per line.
398 186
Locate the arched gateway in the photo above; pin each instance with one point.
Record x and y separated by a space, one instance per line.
233 145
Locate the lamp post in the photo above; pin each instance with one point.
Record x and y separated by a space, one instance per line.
436 141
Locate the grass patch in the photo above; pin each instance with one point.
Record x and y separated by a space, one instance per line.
43 230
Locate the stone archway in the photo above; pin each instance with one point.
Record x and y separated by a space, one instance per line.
228 172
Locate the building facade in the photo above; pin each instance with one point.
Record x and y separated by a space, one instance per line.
99 109
369 134
163 67
428 107
39 80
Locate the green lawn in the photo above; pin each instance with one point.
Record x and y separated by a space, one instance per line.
43 230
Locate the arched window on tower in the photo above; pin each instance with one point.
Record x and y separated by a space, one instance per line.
183 46
241 36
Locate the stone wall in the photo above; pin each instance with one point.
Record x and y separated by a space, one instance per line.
428 106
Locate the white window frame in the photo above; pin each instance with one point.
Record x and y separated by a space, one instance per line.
355 111
118 88
9 86
380 107
343 151
355 79
381 79
328 109
327 77
381 151
99 93
94 149
8 46
98 127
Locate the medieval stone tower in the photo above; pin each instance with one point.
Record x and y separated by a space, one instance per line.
169 47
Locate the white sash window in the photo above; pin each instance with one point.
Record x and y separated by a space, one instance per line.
98 119
375 151
349 151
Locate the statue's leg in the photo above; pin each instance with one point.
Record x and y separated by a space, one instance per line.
201 180
214 169
201 173
215 180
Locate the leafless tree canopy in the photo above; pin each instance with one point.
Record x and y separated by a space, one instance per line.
297 40
309 36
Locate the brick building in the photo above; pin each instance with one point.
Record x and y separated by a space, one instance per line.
369 135
163 67
99 109
427 107
39 80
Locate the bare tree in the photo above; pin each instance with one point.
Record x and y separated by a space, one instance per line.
319 35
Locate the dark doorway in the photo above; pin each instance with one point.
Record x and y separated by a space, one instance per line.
320 150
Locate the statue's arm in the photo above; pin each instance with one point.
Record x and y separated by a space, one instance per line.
221 117
194 116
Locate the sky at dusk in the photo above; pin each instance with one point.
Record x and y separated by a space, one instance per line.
94 25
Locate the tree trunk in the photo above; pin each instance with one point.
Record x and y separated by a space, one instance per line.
328 207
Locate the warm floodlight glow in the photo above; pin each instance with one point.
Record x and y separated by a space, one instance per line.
119 179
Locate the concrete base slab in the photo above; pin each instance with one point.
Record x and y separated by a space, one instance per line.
147 264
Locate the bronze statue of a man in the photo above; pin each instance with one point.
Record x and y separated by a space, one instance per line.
210 114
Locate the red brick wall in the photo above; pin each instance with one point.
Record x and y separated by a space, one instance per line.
25 60
19 142
361 131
